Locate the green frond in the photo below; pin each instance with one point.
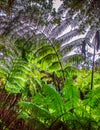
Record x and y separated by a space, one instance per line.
76 58
14 71
45 49
48 58
38 111
71 94
56 103
55 65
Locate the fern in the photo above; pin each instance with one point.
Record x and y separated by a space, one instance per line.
14 75
49 107
56 100
71 94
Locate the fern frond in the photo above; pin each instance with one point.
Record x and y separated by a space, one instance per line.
60 28
71 94
38 111
56 100
48 58
75 42
55 65
45 49
75 58
66 37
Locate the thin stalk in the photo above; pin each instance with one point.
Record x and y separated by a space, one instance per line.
93 64
61 66
59 62
92 77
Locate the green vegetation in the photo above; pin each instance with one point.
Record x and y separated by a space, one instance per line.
39 92
43 84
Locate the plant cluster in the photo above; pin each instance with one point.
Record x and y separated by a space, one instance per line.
39 92
41 85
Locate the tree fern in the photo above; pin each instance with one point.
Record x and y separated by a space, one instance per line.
48 108
45 24
13 72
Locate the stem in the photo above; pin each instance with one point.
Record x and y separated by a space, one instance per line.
61 66
59 61
92 77
93 64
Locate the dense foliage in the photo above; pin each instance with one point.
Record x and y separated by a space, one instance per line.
41 86
39 92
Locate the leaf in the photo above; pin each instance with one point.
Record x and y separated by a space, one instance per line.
71 94
37 111
55 98
48 58
55 66
67 36
59 28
